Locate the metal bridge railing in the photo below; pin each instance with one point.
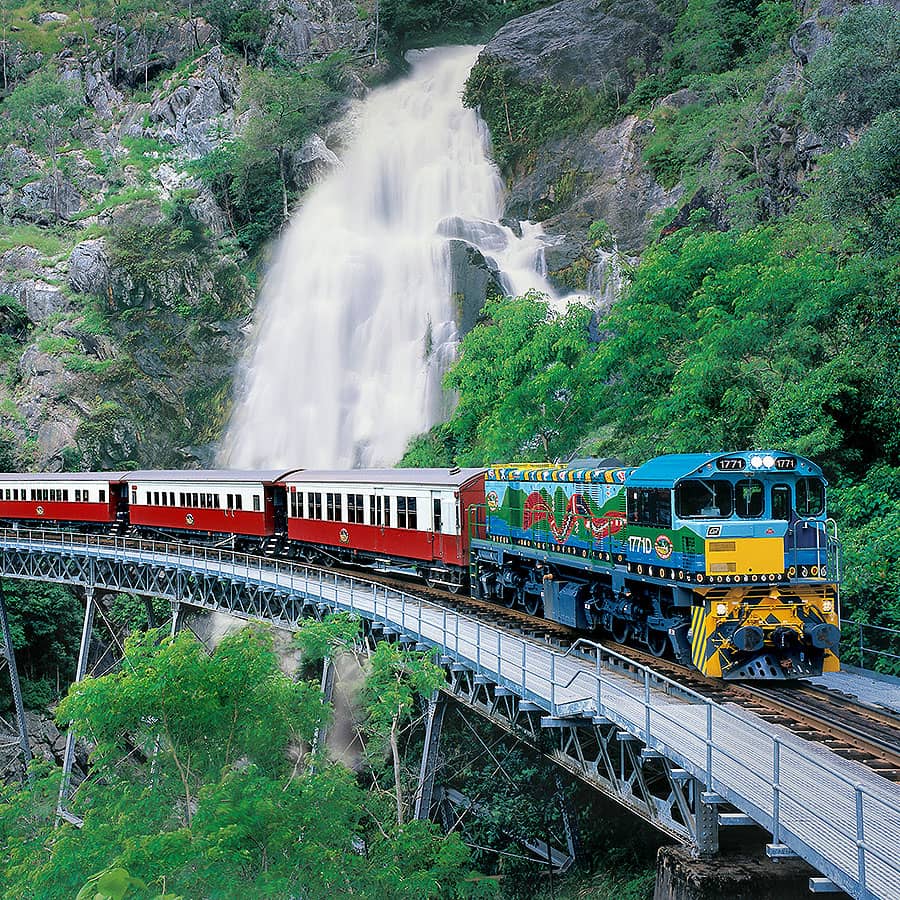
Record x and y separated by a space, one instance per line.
872 647
850 837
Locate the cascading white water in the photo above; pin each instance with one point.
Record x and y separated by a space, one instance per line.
356 326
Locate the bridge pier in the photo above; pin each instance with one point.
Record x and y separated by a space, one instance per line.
434 722
682 876
9 658
65 785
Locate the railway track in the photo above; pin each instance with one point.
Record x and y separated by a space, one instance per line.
842 723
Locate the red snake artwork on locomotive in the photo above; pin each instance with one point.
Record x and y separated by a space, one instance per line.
537 509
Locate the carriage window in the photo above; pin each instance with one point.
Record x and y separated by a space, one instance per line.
650 506
749 498
9 493
375 508
387 512
217 501
196 499
314 506
810 496
171 498
229 499
355 509
781 502
333 503
65 495
696 499
401 512
148 498
436 505
78 495
165 499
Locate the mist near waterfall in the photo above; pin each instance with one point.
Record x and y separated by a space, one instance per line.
356 327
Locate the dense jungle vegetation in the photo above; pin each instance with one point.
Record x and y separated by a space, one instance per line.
760 316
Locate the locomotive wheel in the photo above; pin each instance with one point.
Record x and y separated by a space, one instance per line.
620 629
508 598
454 587
531 603
657 641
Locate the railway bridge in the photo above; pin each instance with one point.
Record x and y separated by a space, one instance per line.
684 763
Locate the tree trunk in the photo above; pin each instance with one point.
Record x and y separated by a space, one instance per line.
284 195
395 752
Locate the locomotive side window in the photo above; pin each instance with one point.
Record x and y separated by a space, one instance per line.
781 502
695 499
650 506
749 498
810 496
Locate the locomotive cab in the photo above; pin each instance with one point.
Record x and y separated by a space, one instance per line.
749 534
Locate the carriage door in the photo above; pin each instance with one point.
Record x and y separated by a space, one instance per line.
437 524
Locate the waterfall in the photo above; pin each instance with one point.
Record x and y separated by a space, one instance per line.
355 327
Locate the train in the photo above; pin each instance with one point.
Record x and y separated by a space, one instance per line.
726 561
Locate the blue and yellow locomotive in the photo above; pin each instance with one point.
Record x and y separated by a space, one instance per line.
725 559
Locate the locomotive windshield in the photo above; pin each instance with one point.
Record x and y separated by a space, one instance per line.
706 499
749 498
810 496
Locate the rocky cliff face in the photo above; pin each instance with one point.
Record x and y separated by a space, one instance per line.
101 365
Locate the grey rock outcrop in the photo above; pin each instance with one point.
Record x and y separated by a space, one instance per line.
144 53
582 42
579 180
312 162
39 299
473 279
49 199
89 267
196 113
302 30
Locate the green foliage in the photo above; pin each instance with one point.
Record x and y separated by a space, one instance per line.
521 117
862 186
45 623
524 383
421 22
869 513
48 241
60 105
148 251
857 77
250 176
201 787
334 633
242 24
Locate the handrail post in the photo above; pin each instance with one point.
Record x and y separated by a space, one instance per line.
478 644
709 745
860 838
776 790
599 676
647 706
552 684
862 664
523 666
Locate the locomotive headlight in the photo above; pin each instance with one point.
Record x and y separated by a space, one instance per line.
721 609
756 462
827 606
768 461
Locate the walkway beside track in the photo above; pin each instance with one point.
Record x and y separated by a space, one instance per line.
838 815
